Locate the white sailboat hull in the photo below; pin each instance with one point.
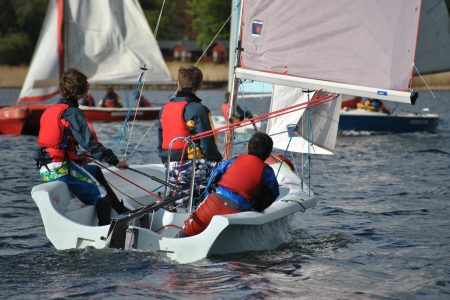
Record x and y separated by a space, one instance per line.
70 224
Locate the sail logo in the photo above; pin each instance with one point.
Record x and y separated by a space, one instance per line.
256 27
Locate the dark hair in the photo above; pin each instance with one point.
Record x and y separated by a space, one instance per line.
73 85
260 145
227 97
190 77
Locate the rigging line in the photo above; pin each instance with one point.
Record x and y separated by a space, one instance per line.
135 112
159 18
311 137
125 123
142 138
123 193
212 41
263 117
423 79
284 154
248 121
120 176
314 102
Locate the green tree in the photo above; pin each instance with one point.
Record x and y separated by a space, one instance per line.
208 17
20 24
174 23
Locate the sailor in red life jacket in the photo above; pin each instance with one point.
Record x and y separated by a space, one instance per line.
239 115
111 99
63 128
185 115
144 102
87 100
241 184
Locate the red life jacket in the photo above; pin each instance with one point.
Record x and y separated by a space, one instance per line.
244 176
224 108
51 134
173 124
110 103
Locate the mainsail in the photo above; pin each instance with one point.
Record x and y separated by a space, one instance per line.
356 47
361 48
108 40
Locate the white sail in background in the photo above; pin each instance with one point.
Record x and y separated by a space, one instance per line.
356 47
108 40
319 127
41 82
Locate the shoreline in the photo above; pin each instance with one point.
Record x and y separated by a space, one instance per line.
215 77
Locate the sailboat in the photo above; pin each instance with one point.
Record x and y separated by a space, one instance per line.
109 41
302 51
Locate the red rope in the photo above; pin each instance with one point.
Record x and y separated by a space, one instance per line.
168 225
317 100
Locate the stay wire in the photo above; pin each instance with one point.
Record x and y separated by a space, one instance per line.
159 18
136 112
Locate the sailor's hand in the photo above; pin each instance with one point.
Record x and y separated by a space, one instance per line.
121 165
83 159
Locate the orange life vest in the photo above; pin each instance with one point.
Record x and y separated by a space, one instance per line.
110 103
51 134
173 124
244 176
225 107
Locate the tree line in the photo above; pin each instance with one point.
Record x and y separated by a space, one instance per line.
200 20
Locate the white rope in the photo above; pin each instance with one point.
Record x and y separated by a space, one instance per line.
159 18
423 79
150 127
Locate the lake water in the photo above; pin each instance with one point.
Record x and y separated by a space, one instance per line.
381 228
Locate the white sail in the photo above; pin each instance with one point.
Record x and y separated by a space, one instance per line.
356 47
108 40
314 133
41 82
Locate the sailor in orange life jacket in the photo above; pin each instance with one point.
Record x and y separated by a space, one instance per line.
111 99
144 102
87 100
173 118
240 184
240 113
63 128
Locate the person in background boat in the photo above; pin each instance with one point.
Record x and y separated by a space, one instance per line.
87 100
63 128
241 113
241 184
185 115
111 99
373 105
143 103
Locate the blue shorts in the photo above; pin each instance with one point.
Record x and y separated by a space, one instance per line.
80 181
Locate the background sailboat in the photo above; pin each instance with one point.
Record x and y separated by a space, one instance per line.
109 41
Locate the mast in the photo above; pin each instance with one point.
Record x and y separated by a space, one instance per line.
233 82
